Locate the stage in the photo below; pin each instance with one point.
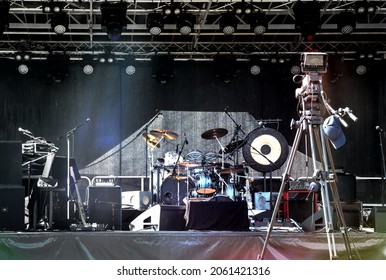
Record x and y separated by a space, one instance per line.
184 245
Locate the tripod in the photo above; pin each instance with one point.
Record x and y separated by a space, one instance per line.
311 98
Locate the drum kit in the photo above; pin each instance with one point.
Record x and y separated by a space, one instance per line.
201 175
197 174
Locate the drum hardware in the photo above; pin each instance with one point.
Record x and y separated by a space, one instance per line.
236 141
216 133
151 140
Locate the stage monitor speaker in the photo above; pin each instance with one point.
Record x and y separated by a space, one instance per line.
377 219
11 163
105 206
161 217
136 199
218 215
299 205
12 208
352 214
264 200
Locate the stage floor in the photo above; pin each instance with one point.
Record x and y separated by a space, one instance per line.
184 245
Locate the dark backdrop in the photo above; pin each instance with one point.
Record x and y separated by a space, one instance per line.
118 105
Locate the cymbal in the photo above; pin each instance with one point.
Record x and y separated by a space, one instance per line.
163 133
151 140
189 164
231 147
231 170
214 133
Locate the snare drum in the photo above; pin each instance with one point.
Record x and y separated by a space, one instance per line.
171 158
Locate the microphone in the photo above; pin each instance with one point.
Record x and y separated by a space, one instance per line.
377 128
186 140
24 130
88 120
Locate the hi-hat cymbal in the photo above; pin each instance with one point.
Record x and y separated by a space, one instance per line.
151 140
214 133
163 133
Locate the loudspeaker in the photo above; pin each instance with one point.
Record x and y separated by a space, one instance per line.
136 199
299 205
218 215
105 206
161 217
377 219
352 214
11 163
12 208
346 185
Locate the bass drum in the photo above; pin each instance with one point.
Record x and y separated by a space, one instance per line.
265 149
174 190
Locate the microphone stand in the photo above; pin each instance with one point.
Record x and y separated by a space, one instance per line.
383 168
67 135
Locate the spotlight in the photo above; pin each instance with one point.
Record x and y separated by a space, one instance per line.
228 24
23 69
154 23
52 7
114 19
59 22
130 65
4 16
307 18
242 8
106 57
57 67
225 68
258 23
255 70
361 69
162 68
295 70
346 22
185 23
172 10
363 9
88 65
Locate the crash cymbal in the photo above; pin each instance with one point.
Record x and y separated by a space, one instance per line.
214 133
231 147
151 140
163 133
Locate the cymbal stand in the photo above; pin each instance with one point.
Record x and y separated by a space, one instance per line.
310 96
174 170
222 152
235 136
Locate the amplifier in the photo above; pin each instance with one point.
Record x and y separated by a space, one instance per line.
299 205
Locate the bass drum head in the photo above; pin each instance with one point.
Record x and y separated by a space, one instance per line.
265 149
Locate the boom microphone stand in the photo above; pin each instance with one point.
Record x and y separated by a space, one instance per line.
67 135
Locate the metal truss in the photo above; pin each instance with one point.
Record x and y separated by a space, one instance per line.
30 30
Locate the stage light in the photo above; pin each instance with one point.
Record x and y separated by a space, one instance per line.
154 23
346 22
295 70
162 68
307 18
57 67
185 23
258 23
52 7
361 69
363 9
59 22
225 68
4 16
242 8
172 10
114 19
228 23
130 65
255 70
88 64
23 69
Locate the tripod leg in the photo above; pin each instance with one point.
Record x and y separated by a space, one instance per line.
284 180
